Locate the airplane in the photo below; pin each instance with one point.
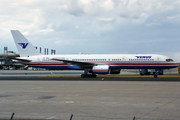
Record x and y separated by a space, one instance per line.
92 64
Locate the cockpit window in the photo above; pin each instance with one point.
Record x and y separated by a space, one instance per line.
168 60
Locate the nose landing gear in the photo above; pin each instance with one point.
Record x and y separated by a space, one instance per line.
88 75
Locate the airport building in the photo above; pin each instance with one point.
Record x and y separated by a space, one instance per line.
7 62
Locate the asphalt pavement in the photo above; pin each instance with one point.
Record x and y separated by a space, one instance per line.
41 96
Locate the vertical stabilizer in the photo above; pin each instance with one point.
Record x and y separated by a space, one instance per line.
24 47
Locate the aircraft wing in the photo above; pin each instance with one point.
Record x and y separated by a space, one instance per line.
77 63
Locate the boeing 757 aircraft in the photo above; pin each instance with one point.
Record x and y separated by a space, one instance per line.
92 64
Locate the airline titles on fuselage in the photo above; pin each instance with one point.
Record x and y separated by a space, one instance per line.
147 57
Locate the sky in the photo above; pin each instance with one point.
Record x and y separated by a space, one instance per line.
94 26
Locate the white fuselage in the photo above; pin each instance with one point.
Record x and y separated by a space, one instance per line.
121 61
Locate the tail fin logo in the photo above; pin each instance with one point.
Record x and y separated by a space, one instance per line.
23 45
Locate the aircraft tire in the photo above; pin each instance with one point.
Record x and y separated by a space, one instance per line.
94 75
86 75
155 76
90 75
83 76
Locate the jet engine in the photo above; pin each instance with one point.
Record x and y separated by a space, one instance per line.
100 69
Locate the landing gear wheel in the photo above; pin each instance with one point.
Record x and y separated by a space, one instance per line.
155 76
86 75
89 75
83 76
94 75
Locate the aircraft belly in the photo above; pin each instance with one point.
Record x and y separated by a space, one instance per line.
142 66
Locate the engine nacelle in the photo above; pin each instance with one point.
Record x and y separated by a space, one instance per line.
115 71
100 69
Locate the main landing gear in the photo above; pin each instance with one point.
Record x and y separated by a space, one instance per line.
155 74
88 75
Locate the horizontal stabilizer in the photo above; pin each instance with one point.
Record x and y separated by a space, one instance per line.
22 60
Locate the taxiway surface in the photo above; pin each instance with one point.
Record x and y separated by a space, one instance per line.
35 96
90 100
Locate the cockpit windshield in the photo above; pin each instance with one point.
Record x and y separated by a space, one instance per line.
168 60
